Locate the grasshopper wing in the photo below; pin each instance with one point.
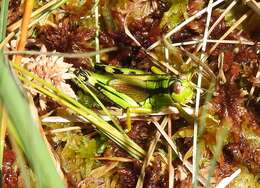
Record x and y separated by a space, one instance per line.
148 82
136 93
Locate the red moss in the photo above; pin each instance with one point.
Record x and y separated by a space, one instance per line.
224 170
10 174
65 37
146 31
128 175
15 11
141 133
155 175
194 6
242 153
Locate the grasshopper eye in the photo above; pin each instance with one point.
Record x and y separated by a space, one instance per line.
176 87
182 91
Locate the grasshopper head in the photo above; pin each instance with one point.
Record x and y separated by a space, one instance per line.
181 91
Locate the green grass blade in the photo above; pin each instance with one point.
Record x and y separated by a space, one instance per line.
18 111
3 19
27 130
21 162
2 138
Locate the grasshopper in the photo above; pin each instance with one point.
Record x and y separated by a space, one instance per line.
135 90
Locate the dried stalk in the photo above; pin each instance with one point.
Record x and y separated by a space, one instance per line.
24 28
255 6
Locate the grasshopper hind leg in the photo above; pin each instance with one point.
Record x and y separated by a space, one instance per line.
134 110
128 120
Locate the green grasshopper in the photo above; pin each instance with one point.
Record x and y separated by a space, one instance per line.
135 90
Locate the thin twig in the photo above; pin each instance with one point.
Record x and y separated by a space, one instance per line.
224 13
232 4
54 131
153 58
75 118
97 30
226 181
181 25
115 159
170 167
255 6
174 147
149 155
164 64
252 90
232 28
3 126
7 39
197 103
214 41
12 34
66 55
128 33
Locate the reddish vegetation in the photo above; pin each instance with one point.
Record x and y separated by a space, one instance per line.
65 37
146 31
141 133
184 184
241 152
15 11
224 169
155 176
194 6
129 175
232 104
10 173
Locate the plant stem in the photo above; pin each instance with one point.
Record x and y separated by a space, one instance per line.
24 28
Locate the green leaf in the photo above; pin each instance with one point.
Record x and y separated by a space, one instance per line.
245 180
252 138
101 144
3 19
174 15
18 110
77 156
